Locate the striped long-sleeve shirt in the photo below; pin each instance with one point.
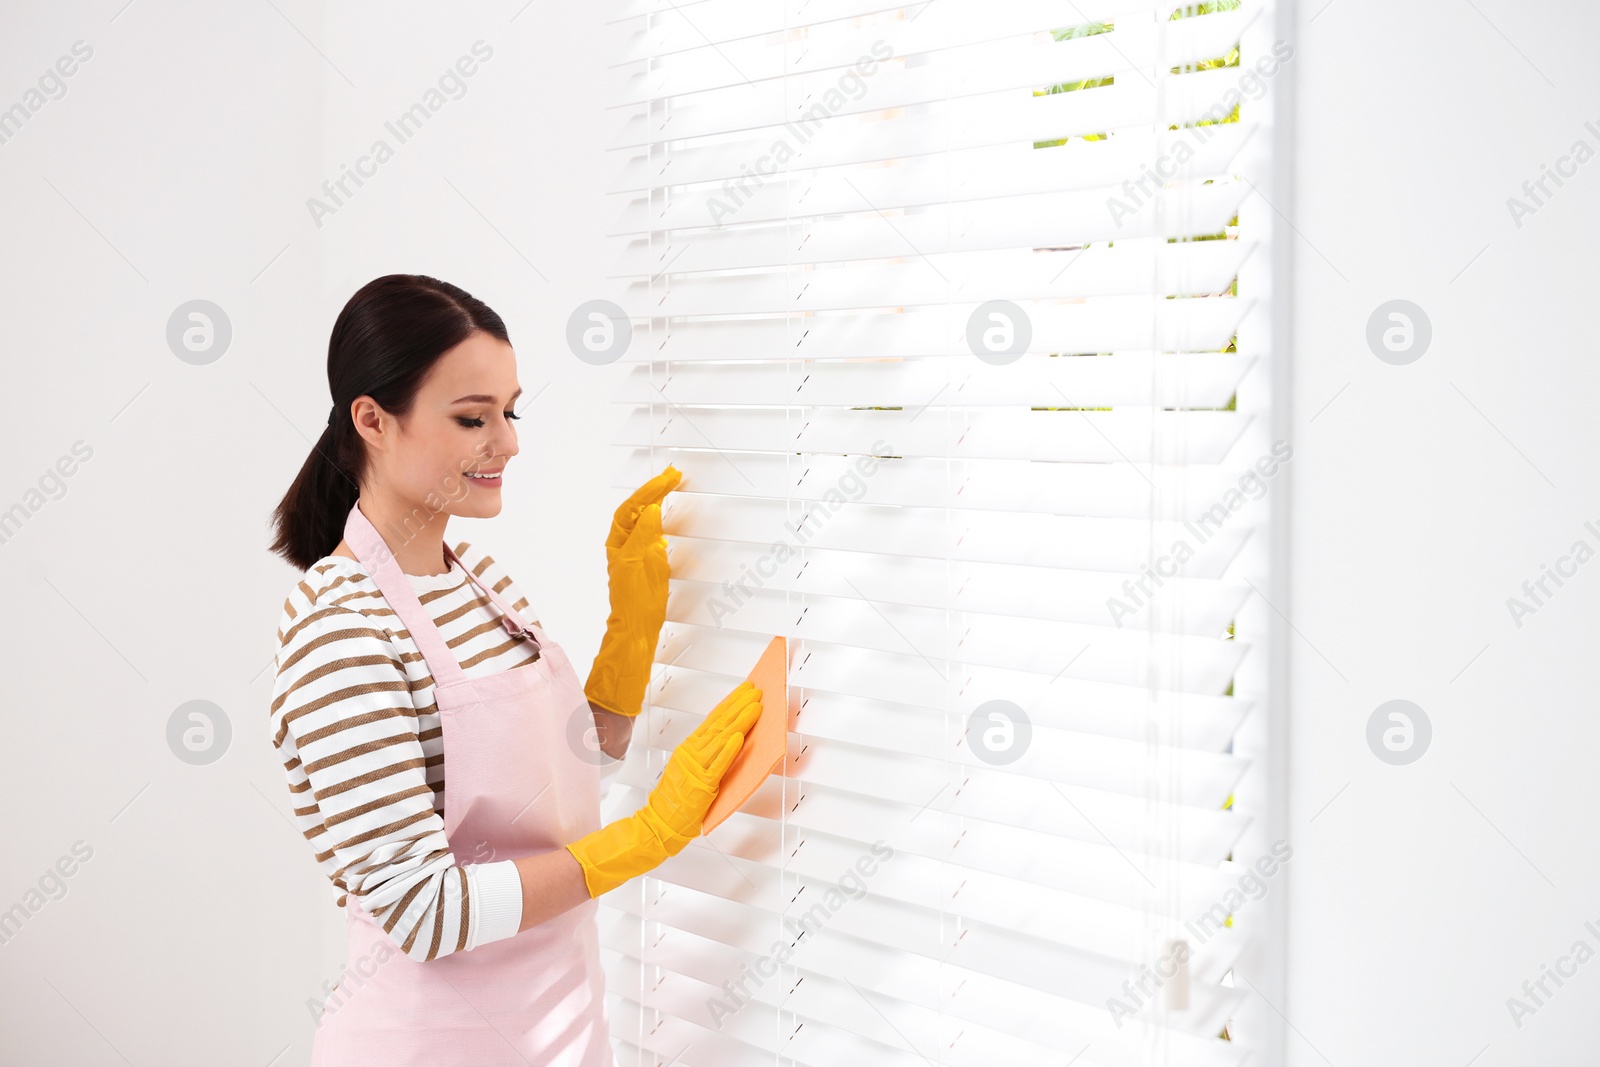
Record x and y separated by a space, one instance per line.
354 720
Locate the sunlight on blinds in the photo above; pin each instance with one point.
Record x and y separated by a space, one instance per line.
958 319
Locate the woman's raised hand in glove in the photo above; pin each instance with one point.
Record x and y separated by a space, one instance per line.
638 572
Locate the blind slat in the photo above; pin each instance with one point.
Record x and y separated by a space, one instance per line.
1037 220
1196 380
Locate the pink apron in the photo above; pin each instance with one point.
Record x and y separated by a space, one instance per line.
514 787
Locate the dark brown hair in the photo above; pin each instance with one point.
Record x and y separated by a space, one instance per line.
384 342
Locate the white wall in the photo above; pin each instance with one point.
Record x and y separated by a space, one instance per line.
1424 495
146 585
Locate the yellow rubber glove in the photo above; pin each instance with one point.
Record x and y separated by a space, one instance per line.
636 562
678 804
622 522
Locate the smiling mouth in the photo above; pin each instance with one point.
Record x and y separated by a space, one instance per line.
485 477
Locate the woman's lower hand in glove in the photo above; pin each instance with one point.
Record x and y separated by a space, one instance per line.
677 806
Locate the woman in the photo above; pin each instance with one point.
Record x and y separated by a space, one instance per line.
434 738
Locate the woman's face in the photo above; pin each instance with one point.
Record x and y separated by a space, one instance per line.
448 455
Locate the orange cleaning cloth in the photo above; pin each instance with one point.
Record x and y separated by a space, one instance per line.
766 744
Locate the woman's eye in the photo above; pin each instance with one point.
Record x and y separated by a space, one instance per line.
473 421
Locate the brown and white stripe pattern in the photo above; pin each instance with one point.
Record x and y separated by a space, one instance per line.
354 721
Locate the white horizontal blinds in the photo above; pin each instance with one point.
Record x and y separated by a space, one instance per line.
804 240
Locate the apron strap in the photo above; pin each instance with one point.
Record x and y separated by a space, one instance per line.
509 618
378 559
